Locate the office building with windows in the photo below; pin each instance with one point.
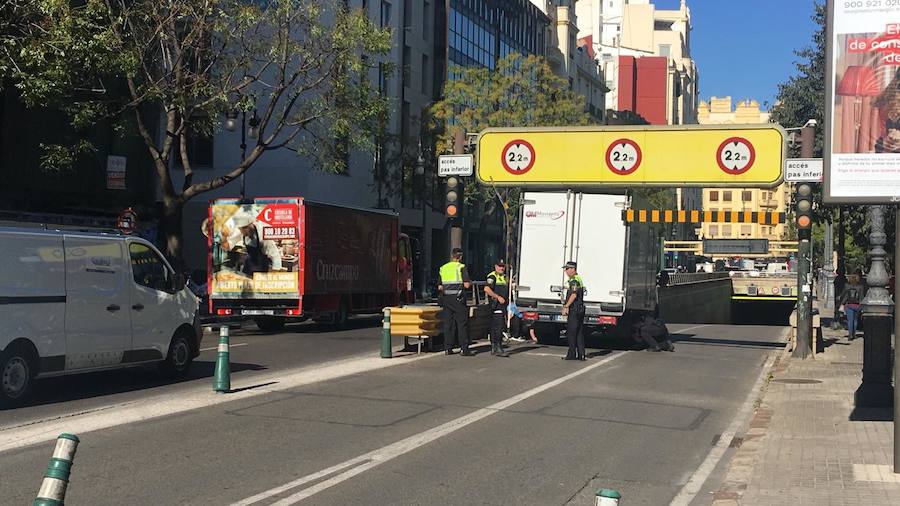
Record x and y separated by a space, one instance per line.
719 111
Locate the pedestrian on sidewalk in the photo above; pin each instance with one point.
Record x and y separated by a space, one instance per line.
840 282
454 283
851 298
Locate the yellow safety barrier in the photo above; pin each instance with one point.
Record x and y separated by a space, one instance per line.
416 322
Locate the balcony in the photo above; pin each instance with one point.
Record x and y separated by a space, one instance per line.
768 203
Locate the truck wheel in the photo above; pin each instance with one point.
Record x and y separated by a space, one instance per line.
269 324
547 333
179 358
342 315
16 376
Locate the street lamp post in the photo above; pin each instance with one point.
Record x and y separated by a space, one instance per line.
420 171
253 133
875 389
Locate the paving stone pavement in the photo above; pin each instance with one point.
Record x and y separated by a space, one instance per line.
807 445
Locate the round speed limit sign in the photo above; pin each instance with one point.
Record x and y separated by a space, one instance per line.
518 157
735 155
623 157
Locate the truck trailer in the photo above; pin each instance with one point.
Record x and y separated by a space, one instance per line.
291 259
617 261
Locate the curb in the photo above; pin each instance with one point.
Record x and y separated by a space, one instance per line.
743 462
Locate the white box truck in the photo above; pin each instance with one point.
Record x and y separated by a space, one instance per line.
73 302
618 262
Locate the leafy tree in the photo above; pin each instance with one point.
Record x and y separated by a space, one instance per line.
802 97
522 91
170 70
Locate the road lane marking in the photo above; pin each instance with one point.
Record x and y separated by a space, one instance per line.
699 477
216 347
31 432
363 463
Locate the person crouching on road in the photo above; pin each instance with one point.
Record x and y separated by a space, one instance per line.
454 283
653 333
497 290
573 310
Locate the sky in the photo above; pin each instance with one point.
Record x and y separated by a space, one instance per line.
745 48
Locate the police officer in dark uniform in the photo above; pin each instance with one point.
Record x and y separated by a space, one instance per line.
454 281
497 289
573 309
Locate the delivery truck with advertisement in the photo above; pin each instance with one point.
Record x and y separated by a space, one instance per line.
617 261
289 258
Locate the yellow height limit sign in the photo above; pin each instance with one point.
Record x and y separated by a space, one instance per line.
737 156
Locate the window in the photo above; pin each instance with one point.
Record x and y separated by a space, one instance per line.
424 75
745 230
726 230
199 148
726 196
714 196
382 78
426 19
407 13
713 230
665 50
148 268
746 196
385 14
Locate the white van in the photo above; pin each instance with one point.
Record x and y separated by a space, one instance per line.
74 302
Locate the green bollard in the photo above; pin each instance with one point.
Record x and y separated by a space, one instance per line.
608 497
386 351
222 377
56 479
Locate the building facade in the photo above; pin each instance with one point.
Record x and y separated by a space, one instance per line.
572 58
719 111
645 55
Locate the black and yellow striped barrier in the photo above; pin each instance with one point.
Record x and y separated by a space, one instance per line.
698 216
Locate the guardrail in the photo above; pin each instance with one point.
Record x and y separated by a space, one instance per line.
687 278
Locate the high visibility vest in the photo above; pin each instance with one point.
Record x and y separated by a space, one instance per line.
499 279
451 277
579 301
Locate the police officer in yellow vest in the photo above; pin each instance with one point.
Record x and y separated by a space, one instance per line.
454 281
497 289
573 309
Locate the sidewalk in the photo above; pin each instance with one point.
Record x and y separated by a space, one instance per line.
807 445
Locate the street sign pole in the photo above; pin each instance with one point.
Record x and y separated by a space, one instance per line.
456 231
805 344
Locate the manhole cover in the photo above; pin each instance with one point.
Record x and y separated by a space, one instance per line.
797 381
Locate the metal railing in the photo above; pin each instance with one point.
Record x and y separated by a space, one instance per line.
687 278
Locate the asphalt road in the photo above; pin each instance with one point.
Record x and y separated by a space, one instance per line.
253 353
529 429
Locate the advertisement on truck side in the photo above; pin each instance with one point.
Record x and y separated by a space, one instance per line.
349 251
255 250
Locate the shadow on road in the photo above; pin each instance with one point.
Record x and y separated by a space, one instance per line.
97 384
689 338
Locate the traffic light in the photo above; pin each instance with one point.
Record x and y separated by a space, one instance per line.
453 197
803 203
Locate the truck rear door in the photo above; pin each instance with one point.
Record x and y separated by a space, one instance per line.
600 246
546 233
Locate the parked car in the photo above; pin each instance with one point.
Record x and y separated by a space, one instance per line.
73 302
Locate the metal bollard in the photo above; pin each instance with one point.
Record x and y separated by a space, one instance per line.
56 479
222 377
608 497
386 351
